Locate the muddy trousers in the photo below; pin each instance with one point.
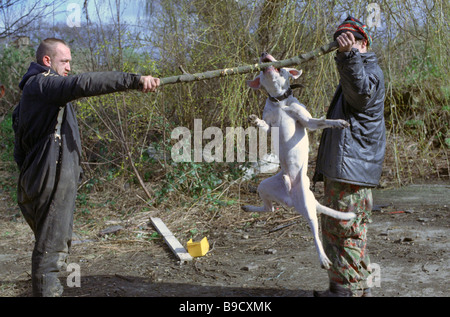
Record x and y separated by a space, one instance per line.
345 242
46 194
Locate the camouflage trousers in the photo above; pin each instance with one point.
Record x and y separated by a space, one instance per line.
345 242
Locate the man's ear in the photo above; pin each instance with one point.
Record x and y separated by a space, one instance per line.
47 61
255 83
364 44
294 72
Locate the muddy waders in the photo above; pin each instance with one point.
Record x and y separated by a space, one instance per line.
46 194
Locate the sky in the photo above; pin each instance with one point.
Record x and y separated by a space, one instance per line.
69 11
73 9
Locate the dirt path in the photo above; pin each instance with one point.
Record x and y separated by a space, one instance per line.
408 243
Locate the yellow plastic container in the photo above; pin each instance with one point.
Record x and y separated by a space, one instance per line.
197 249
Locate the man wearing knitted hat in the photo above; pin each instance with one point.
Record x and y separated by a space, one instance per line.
350 160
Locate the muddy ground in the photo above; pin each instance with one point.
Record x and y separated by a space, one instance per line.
408 241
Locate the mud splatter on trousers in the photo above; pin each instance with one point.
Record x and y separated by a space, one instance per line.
46 196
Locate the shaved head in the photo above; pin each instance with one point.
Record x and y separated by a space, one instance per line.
54 53
48 48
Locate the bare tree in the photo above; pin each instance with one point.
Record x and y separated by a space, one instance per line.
18 17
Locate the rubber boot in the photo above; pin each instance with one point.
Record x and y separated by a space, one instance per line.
367 293
335 290
47 285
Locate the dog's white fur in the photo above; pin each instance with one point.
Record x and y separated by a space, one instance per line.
291 185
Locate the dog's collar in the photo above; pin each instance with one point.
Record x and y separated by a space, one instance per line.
284 96
287 94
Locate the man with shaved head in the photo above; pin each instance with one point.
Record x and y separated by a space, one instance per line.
48 150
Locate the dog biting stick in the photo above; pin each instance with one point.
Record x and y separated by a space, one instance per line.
297 60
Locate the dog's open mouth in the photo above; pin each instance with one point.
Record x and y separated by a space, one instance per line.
271 69
267 58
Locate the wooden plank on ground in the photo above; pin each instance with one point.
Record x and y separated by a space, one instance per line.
170 239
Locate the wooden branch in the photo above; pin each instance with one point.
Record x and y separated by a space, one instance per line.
297 60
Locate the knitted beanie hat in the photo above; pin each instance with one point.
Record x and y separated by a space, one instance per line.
355 26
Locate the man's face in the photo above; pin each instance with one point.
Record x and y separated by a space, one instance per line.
361 45
60 62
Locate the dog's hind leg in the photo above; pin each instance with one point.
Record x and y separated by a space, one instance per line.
314 225
270 190
249 208
305 204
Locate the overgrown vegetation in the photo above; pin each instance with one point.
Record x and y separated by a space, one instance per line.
127 137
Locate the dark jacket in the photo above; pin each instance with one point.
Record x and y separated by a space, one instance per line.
355 155
44 93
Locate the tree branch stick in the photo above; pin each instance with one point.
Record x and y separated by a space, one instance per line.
302 58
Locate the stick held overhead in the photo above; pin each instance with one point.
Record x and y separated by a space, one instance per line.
302 58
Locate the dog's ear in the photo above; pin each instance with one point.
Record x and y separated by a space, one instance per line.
255 83
294 72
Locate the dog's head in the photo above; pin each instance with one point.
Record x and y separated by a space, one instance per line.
275 81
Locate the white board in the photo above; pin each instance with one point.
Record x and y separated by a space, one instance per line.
170 239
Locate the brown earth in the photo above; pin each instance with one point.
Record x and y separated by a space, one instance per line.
408 243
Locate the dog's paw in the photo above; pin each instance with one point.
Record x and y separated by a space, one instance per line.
249 208
341 124
253 119
325 263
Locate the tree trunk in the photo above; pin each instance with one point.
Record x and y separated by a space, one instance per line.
268 22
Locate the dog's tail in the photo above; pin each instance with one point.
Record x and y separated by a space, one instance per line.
334 213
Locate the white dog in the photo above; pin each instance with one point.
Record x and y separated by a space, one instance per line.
291 185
